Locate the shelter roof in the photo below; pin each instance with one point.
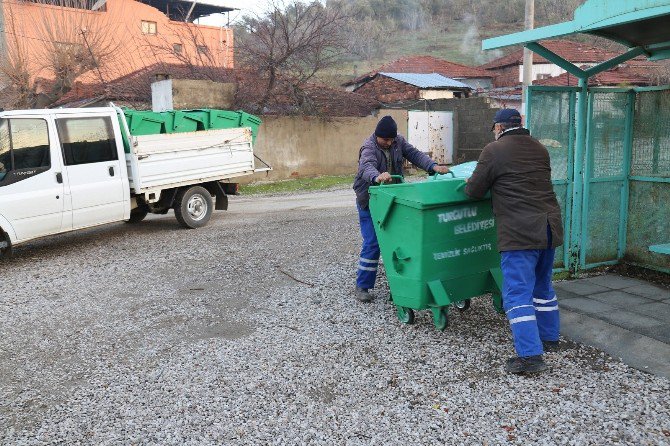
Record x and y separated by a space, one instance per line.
179 9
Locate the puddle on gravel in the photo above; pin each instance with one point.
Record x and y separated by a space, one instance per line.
324 393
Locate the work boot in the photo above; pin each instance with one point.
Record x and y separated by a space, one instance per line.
362 295
530 364
550 346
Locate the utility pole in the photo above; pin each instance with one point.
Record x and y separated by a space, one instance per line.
527 55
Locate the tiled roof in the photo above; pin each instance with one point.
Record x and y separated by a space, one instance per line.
433 80
425 65
575 52
135 88
610 78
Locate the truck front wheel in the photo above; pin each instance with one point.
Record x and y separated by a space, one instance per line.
193 207
5 245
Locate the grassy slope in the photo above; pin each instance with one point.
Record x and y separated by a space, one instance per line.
447 43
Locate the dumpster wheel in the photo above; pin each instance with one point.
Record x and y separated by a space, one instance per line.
463 305
441 318
405 315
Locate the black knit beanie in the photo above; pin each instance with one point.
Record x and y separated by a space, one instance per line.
386 128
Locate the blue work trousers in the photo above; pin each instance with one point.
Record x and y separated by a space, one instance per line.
369 258
529 300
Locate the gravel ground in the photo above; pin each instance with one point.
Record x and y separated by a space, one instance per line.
245 332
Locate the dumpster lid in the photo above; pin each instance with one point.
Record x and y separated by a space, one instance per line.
425 194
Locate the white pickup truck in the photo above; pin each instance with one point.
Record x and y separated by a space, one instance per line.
66 169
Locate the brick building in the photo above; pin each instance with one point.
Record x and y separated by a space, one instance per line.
124 35
397 87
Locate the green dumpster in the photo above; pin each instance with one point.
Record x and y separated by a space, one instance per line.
224 119
439 246
248 120
145 122
142 122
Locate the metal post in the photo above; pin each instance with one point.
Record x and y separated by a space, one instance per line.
567 219
587 176
574 246
625 187
527 78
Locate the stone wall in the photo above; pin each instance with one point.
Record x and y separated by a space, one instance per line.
190 94
303 146
472 128
385 89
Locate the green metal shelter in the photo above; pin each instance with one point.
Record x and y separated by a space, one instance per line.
609 147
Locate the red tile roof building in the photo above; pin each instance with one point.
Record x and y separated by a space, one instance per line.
473 76
508 69
617 77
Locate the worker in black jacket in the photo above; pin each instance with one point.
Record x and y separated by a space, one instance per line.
517 171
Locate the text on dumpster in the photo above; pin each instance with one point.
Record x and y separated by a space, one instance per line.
457 214
463 252
473 226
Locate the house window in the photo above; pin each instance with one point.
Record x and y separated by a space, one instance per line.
542 76
202 49
177 48
148 27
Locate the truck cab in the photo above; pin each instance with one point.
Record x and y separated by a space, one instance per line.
60 170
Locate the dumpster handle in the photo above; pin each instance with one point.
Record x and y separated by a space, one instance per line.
453 175
398 259
396 177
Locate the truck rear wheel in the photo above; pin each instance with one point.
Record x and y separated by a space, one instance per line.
193 207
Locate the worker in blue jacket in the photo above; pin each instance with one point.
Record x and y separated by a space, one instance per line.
381 156
516 169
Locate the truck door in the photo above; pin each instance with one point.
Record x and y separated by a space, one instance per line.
31 187
92 168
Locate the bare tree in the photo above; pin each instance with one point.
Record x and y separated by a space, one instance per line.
290 44
50 44
368 39
15 72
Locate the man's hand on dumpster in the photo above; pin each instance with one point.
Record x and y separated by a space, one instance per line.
440 169
383 178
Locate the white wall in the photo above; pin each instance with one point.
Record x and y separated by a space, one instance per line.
436 94
547 68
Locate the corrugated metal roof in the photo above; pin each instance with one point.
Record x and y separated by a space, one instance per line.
433 80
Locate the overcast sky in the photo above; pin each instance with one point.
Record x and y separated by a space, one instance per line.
243 6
